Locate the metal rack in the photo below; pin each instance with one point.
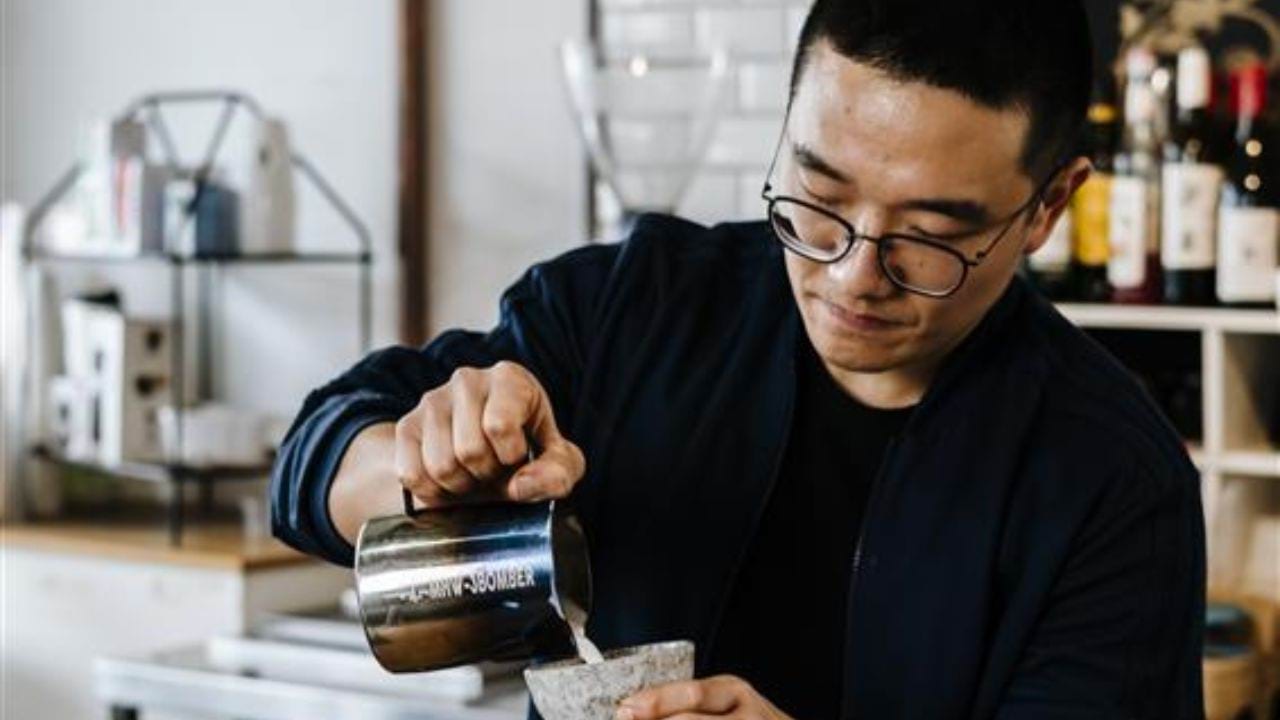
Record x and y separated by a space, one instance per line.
148 110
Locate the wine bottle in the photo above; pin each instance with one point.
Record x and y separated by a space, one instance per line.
1050 265
1134 265
1091 204
1249 224
1191 182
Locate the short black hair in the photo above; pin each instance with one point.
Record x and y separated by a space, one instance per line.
1032 54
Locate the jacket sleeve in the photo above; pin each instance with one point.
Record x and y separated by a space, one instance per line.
544 324
1121 636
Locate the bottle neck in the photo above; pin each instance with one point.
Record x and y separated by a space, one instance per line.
1140 134
1246 126
1249 97
1103 148
1140 130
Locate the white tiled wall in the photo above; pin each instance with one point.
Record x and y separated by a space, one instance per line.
508 186
761 37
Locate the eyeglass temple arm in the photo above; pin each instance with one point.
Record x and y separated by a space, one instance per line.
1036 199
773 164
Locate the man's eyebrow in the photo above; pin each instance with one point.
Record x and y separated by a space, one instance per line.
810 160
965 211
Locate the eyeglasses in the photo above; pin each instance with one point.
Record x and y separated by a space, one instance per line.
919 265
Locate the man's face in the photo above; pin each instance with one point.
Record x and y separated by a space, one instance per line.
901 157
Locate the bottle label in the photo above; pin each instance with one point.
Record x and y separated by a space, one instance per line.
1091 218
1130 227
1055 254
1189 217
1247 254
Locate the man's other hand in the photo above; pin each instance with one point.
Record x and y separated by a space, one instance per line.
723 696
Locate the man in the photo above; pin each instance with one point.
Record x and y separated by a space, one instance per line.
846 451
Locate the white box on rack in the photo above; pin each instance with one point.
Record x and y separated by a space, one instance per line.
130 359
73 423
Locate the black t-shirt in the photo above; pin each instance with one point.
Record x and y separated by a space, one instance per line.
784 627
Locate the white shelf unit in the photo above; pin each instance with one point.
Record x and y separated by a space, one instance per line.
1239 455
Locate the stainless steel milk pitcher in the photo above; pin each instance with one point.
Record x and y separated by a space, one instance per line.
458 585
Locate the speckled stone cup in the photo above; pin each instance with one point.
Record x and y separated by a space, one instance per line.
574 690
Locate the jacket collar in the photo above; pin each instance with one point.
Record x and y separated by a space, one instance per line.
974 352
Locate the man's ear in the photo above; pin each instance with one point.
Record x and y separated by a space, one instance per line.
1056 200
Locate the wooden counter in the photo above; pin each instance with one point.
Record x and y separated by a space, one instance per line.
221 547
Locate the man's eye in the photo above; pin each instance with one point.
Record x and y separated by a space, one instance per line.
930 234
942 236
818 199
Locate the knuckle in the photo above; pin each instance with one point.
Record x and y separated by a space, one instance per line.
471 454
562 485
577 460
505 367
515 375
463 375
405 424
499 427
695 693
441 468
434 400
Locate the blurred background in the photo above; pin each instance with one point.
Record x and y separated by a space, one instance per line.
211 208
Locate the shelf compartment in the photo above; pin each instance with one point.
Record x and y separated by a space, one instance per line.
1250 401
1245 537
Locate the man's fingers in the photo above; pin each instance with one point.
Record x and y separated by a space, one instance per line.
438 457
468 392
408 449
473 429
510 403
518 403
413 476
713 696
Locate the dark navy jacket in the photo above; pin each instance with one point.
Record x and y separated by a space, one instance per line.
1033 548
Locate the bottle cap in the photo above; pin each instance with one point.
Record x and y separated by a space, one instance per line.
1102 113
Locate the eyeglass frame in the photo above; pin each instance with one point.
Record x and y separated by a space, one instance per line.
853 236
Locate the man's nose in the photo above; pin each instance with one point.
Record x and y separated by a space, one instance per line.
858 273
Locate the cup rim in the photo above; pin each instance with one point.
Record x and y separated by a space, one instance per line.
657 648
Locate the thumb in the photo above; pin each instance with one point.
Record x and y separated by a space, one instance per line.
558 466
